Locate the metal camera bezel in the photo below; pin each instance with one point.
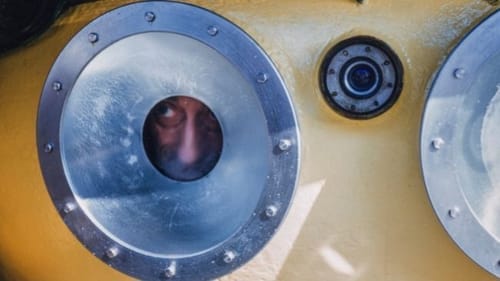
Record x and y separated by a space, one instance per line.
244 53
374 104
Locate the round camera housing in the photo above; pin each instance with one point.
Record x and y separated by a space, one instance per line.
361 77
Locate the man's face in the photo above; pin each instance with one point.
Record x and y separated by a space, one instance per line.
183 138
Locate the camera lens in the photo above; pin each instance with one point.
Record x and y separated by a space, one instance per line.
362 77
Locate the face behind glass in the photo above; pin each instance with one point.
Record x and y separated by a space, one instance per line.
182 137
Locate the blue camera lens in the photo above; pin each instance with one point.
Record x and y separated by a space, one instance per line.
362 77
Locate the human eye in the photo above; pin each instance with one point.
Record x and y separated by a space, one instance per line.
165 111
168 115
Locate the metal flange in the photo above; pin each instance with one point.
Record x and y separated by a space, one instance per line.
91 120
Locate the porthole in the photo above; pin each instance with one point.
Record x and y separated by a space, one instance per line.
109 143
459 144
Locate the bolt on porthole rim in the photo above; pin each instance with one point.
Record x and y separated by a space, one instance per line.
149 16
93 37
57 86
171 270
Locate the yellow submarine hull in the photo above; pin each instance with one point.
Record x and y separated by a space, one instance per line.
360 212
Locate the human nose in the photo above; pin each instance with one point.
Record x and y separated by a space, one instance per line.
188 150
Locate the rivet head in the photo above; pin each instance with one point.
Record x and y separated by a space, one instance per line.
285 144
437 143
271 211
69 207
149 16
454 212
112 252
48 148
93 37
459 73
229 256
262 77
170 271
57 86
212 30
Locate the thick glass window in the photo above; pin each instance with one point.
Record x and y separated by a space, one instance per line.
182 138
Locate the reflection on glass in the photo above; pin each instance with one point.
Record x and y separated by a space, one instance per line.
108 151
182 138
477 154
490 133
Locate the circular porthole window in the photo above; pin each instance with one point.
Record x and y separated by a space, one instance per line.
183 138
168 142
460 149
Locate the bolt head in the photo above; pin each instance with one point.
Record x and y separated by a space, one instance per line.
149 16
57 86
112 252
229 256
437 143
212 30
48 148
285 144
93 37
271 211
69 207
459 73
454 212
170 271
262 78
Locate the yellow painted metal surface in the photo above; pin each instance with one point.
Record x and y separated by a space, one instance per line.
360 212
